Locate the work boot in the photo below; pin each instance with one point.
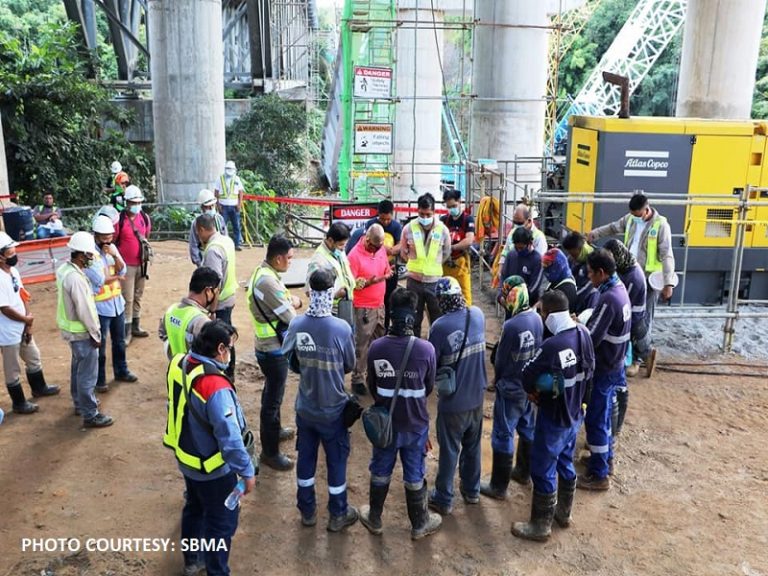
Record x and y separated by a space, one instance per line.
309 520
136 329
20 403
338 523
650 363
127 377
98 421
101 388
590 481
39 386
370 516
542 512
565 491
632 370
359 389
286 434
279 461
622 401
423 522
521 473
496 488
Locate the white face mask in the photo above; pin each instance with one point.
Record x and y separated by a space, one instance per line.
229 172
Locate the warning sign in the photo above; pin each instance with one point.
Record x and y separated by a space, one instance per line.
372 82
353 215
373 138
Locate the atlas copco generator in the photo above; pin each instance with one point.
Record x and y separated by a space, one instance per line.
694 157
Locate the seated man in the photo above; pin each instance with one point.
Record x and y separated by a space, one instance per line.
48 219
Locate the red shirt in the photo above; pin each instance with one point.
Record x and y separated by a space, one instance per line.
126 240
366 265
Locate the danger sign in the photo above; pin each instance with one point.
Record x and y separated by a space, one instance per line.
372 82
373 138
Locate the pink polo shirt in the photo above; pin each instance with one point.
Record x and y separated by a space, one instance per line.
126 240
366 265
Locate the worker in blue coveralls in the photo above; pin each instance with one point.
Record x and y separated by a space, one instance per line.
556 379
324 350
610 327
520 338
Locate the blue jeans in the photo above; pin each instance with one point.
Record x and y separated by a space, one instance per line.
598 420
45 233
83 376
411 447
232 215
115 327
511 410
334 437
275 370
459 435
552 454
205 517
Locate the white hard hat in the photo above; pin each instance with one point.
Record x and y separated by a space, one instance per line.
6 241
116 167
110 212
206 197
103 225
230 164
133 194
82 242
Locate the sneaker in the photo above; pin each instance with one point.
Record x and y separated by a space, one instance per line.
338 523
469 498
239 248
193 569
592 482
127 377
279 461
286 434
98 421
309 521
632 370
439 508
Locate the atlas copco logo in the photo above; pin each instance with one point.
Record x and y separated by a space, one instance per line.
305 343
646 163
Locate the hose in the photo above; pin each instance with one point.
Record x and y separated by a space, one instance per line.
712 373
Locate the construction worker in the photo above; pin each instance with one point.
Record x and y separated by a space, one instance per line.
461 227
521 218
370 266
209 435
105 274
556 378
131 235
16 339
229 192
272 308
558 273
207 202
459 340
324 351
219 255
609 328
330 254
426 245
78 321
48 219
525 262
577 248
183 321
410 419
116 185
520 338
649 238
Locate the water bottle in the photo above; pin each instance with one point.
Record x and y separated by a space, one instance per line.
234 497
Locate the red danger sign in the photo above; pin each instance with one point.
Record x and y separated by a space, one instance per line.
373 72
354 212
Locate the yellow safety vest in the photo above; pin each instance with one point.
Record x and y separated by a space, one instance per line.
341 268
263 330
652 262
228 192
427 263
109 290
177 436
230 282
177 319
62 320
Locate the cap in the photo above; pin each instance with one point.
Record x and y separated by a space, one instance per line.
82 242
206 197
103 225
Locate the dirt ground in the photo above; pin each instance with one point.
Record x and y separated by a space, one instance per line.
688 495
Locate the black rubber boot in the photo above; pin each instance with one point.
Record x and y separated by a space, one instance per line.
136 330
521 473
423 522
622 399
542 512
370 516
500 475
39 387
614 416
565 491
20 404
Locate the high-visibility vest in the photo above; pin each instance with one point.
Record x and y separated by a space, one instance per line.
652 262
109 290
228 192
177 434
427 263
263 330
341 268
230 282
62 320
176 321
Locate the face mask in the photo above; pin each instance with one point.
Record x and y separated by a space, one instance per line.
88 262
135 209
209 302
638 220
208 210
426 222
12 260
455 211
337 252
221 365
229 172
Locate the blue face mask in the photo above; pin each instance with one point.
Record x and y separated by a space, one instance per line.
135 208
426 221
338 253
455 211
220 365
638 220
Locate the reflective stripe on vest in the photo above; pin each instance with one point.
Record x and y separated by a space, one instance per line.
230 282
341 268
263 330
108 290
227 193
176 422
65 323
177 319
652 262
431 263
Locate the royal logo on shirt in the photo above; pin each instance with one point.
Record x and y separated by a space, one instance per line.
305 343
626 312
455 339
383 369
526 339
567 358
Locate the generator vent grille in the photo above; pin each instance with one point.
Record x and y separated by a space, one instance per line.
719 223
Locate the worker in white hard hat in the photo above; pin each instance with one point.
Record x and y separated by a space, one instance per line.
116 184
106 274
229 191
16 340
78 321
207 201
131 239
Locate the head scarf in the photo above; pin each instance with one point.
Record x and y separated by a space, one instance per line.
586 250
401 321
514 295
557 268
449 295
621 254
320 303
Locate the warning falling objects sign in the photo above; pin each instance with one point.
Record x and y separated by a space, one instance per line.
373 138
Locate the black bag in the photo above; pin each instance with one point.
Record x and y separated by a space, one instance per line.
377 420
146 253
445 378
352 411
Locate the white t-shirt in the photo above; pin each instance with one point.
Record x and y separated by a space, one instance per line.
228 182
10 295
637 233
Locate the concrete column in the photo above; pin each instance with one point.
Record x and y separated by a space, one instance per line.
510 68
188 93
721 43
421 78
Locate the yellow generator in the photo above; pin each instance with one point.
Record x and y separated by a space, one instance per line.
662 156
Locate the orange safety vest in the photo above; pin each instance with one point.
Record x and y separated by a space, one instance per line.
109 290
